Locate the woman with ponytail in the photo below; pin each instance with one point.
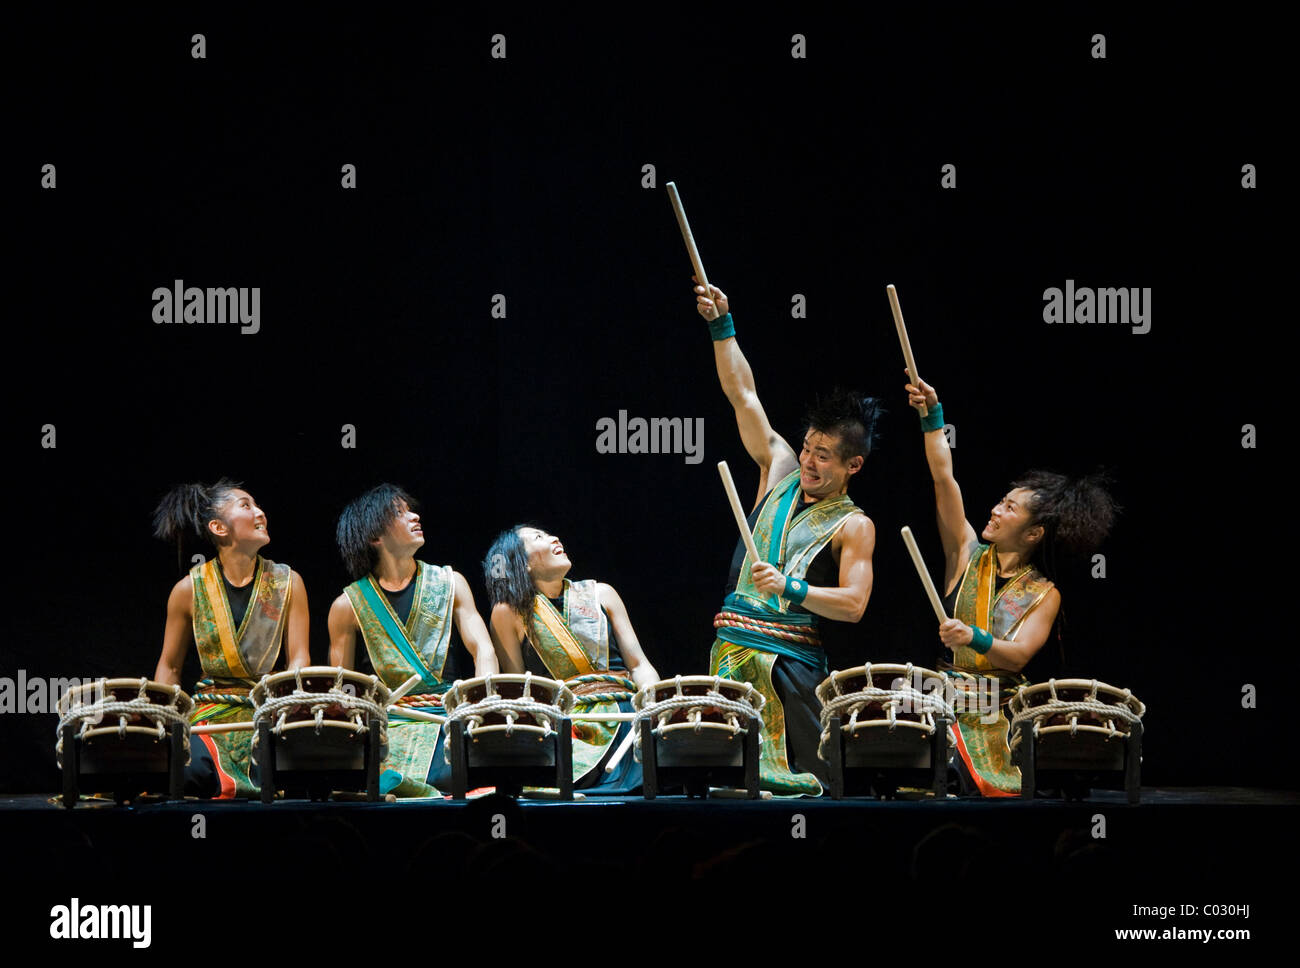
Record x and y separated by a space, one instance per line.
237 608
998 590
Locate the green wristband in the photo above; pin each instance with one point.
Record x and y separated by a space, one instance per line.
722 328
796 590
981 641
934 419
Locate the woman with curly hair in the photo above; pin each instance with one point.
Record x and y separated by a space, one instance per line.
997 588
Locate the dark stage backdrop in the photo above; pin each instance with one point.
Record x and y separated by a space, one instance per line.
525 177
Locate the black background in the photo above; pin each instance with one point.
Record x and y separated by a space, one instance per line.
523 176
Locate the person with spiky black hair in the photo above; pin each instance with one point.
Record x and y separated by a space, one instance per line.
237 608
577 632
404 610
999 588
816 546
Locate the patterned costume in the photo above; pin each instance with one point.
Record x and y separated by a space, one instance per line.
766 641
399 650
575 645
983 746
233 657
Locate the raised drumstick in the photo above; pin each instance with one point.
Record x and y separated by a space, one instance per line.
935 602
906 343
688 238
730 486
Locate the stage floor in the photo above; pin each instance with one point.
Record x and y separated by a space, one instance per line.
1092 866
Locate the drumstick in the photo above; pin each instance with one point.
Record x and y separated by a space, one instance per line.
906 343
221 728
603 717
915 552
408 712
688 238
729 485
623 747
403 689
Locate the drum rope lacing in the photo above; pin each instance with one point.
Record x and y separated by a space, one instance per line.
927 704
174 712
548 715
662 710
1109 712
360 707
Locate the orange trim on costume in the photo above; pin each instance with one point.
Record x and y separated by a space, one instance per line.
985 788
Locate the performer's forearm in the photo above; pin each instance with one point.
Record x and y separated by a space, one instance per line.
939 457
838 604
1010 656
734 373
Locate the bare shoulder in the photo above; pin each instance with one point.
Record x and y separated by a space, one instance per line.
182 592
341 606
505 618
859 530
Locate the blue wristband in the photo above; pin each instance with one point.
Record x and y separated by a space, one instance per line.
981 641
796 590
934 419
722 328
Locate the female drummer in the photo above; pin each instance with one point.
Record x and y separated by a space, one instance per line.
1002 603
237 607
579 633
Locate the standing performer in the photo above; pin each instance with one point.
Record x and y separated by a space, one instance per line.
404 610
237 608
816 545
1003 604
582 635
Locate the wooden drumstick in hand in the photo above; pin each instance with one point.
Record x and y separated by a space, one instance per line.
729 485
906 343
688 238
935 601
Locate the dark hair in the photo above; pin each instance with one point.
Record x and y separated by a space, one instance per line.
505 572
365 519
185 510
848 415
1076 513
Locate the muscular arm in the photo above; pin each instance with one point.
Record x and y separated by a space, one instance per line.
297 641
774 457
1005 654
955 531
642 672
343 630
507 631
847 602
472 630
178 633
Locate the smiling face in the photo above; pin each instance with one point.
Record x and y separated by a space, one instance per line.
1010 524
546 558
404 535
822 472
242 523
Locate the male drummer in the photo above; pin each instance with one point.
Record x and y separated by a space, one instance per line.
816 547
404 610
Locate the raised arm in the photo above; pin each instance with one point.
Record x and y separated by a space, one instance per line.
643 673
178 634
296 638
955 531
472 630
343 633
774 457
507 630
